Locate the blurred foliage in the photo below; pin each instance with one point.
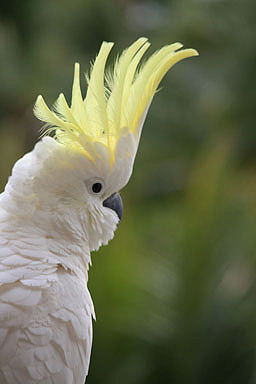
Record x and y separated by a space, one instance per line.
175 291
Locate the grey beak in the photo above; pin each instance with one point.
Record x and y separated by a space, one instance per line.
114 202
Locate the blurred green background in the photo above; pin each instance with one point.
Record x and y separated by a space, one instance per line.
175 291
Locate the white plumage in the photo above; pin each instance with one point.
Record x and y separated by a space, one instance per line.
45 306
54 212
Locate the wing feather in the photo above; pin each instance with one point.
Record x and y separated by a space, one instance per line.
45 321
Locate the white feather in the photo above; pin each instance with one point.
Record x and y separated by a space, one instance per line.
45 307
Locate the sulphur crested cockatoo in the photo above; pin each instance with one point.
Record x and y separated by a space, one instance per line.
60 203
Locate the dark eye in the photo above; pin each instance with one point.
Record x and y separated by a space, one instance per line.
96 187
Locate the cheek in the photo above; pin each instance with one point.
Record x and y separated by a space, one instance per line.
102 228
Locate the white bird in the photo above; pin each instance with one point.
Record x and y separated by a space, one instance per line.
59 204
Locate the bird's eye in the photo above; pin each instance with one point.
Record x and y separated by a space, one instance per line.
96 187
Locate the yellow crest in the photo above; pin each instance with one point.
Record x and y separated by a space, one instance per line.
116 101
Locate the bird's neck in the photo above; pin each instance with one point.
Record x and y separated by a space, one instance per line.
45 231
45 242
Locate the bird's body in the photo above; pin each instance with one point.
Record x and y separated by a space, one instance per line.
60 204
45 332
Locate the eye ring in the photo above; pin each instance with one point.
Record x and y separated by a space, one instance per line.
95 186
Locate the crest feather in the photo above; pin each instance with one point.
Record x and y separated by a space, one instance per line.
116 102
95 101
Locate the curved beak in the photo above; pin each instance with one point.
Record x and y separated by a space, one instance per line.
114 202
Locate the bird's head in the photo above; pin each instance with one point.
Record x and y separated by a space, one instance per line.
98 135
